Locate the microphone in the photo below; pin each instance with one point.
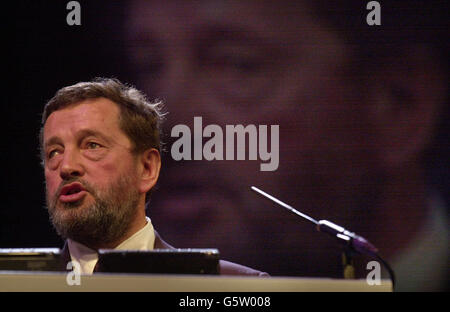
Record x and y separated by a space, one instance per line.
355 242
358 243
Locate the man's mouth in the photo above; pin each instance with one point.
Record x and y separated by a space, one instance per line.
72 192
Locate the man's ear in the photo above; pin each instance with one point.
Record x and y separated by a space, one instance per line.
150 162
405 98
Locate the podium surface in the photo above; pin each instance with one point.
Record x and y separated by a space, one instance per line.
26 281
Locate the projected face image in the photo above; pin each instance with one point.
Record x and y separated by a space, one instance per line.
257 63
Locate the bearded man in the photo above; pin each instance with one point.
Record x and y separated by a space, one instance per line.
100 150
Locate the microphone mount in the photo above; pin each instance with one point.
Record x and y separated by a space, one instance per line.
351 241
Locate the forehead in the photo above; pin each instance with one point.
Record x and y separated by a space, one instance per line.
186 30
263 17
96 114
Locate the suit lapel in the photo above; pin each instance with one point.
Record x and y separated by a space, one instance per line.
160 244
65 257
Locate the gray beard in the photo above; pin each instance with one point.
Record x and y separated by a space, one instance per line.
100 224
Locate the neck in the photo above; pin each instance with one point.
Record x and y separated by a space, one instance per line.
137 223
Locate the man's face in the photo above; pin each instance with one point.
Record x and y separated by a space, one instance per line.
251 62
90 172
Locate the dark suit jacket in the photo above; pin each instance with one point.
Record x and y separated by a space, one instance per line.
226 267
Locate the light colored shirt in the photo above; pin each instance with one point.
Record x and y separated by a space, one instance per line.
144 239
424 265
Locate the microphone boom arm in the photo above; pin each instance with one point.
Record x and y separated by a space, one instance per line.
352 241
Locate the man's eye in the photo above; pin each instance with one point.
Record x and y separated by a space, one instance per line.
52 153
92 145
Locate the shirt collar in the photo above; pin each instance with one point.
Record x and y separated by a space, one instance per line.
144 239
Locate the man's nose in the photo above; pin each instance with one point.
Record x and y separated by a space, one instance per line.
71 165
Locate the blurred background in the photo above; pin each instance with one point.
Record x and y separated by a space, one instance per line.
363 114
